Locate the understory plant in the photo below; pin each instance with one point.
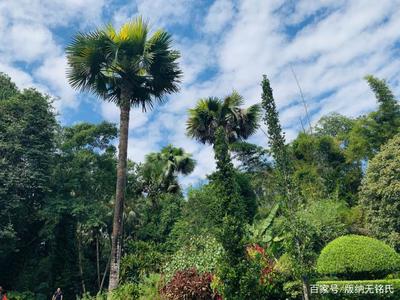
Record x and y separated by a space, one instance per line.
189 284
200 252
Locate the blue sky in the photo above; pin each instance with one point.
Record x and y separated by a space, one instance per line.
225 45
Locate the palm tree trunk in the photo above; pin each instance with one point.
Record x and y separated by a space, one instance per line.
116 238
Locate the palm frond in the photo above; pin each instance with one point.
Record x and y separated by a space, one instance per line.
124 63
210 113
204 119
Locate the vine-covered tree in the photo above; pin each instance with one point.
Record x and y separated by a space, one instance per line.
220 123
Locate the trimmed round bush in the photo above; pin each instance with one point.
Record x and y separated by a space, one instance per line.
358 257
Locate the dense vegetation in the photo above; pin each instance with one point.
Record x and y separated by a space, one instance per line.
267 224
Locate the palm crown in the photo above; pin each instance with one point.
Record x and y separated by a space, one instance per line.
163 167
124 65
211 113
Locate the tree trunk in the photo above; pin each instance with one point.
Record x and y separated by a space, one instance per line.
98 259
104 275
306 295
80 262
116 238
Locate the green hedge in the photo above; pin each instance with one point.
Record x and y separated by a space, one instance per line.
344 289
358 257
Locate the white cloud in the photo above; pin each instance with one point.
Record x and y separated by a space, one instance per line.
28 43
218 16
161 13
53 12
52 73
33 55
22 79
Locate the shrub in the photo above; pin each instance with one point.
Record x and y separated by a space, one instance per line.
142 258
293 289
123 292
344 287
201 252
359 257
150 286
21 296
258 277
189 285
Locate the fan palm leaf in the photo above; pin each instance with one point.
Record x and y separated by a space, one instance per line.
211 113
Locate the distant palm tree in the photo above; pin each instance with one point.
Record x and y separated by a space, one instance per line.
130 69
212 113
167 164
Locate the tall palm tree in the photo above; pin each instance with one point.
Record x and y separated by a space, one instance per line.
212 113
131 69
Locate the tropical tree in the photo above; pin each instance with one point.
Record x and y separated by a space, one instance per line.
160 169
27 142
212 113
379 194
221 122
372 131
131 69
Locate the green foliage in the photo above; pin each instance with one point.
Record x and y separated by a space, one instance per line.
258 277
329 218
150 286
8 88
335 125
157 216
276 136
77 210
128 291
142 259
314 226
21 296
160 170
253 158
200 252
199 215
372 131
203 212
220 123
262 231
321 169
27 140
341 285
380 194
358 257
293 289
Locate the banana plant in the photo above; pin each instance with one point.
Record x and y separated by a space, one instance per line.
261 231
